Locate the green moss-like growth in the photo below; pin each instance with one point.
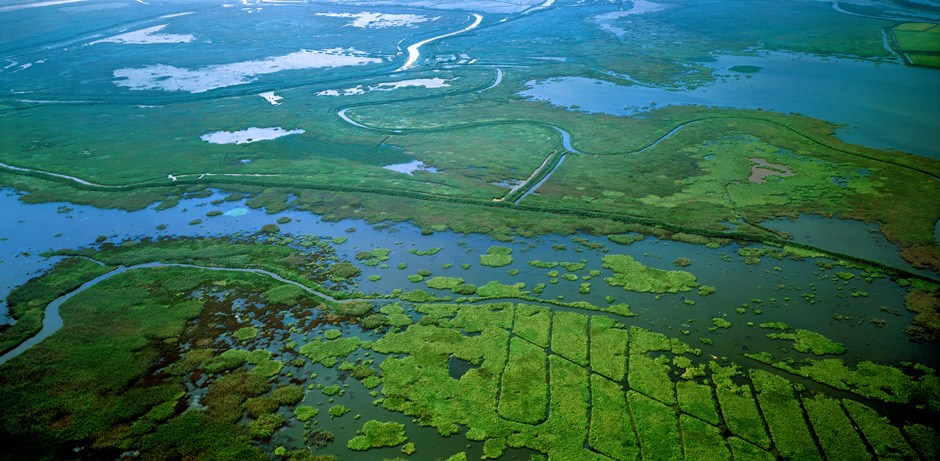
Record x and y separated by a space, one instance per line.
332 333
650 376
533 324
834 429
871 380
608 348
743 450
497 256
810 342
884 438
702 441
720 322
634 276
494 448
741 414
611 431
245 333
263 427
925 439
696 399
523 395
625 239
267 368
375 434
428 252
330 350
444 283
285 294
494 289
305 413
643 341
337 411
657 427
569 336
775 325
784 416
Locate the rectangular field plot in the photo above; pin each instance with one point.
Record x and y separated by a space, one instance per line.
611 429
784 416
834 429
696 399
569 337
657 426
533 323
701 441
741 415
608 348
525 383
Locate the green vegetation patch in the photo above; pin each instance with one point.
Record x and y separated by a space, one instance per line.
650 376
834 429
810 342
497 256
657 427
784 416
444 283
494 289
245 333
696 399
570 336
608 348
625 239
428 252
884 438
533 324
611 431
702 441
523 396
743 450
871 380
305 413
328 352
375 434
27 302
285 294
741 415
634 276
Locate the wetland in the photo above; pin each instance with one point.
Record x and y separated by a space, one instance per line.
527 230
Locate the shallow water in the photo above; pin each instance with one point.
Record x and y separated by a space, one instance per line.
880 104
854 238
43 227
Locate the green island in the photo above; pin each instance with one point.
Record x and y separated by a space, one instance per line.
542 230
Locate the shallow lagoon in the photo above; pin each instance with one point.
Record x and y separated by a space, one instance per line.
880 104
44 227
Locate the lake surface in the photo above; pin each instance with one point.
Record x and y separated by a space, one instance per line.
880 104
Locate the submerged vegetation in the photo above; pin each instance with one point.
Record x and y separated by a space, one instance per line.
697 329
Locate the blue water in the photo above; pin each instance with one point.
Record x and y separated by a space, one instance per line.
884 104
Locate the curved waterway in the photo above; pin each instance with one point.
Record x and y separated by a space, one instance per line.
566 140
52 320
414 51
882 104
539 184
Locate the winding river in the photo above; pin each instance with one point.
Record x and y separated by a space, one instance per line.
52 320
414 51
